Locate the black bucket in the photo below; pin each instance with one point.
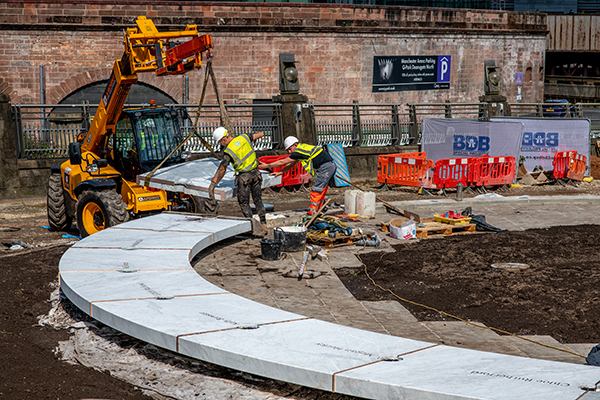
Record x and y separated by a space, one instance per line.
271 249
293 237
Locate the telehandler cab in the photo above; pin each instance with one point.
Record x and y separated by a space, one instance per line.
97 185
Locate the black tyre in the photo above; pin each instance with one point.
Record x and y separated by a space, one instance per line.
200 205
58 219
98 210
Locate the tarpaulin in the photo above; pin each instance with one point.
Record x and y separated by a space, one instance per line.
542 137
454 138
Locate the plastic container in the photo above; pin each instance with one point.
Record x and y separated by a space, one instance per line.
365 204
350 201
403 228
451 219
270 249
293 237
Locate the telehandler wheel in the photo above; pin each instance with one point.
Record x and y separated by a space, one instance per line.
98 210
58 219
200 205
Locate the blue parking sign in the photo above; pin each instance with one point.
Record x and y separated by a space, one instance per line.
443 68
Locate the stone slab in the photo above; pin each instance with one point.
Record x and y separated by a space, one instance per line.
448 373
534 350
101 259
135 239
85 289
398 321
193 178
279 344
220 228
307 352
160 322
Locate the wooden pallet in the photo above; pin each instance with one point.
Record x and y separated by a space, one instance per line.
436 229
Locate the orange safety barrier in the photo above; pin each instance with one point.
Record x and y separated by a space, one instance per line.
449 172
295 176
492 171
405 169
561 163
577 166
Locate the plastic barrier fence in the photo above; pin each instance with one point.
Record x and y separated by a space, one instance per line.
295 176
449 172
561 163
405 169
492 171
577 166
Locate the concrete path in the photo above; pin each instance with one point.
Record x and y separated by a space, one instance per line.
236 266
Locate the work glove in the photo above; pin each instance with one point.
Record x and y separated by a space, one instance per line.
211 190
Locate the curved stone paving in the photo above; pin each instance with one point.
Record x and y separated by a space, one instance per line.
137 278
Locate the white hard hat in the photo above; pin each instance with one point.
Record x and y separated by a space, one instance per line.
290 141
219 133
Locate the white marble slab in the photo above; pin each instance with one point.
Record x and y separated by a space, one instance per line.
221 228
180 311
193 178
161 321
306 352
136 239
86 259
133 285
591 396
444 373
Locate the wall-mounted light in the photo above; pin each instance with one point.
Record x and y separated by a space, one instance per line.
288 74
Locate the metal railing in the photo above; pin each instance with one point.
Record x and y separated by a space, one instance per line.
45 131
361 125
245 118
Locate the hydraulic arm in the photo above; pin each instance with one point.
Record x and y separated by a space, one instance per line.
146 50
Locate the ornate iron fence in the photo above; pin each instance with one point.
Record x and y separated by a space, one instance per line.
45 131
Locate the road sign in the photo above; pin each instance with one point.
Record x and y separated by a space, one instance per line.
518 78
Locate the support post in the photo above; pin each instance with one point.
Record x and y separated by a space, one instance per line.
357 136
9 170
296 118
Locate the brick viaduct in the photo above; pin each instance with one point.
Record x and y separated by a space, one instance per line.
334 46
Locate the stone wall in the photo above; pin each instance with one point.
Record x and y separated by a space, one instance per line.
333 44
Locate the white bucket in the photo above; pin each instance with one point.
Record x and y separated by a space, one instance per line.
350 201
365 204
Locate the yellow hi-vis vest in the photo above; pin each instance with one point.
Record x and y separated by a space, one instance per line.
241 152
311 152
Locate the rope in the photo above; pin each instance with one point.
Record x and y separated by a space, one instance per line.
450 315
204 142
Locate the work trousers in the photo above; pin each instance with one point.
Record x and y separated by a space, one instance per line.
250 183
323 178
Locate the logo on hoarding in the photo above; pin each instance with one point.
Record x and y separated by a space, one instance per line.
539 139
471 143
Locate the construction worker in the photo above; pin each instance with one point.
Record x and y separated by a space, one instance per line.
315 161
239 152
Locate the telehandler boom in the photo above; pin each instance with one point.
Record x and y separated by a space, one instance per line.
97 185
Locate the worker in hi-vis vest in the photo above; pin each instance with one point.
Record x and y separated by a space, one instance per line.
248 180
315 161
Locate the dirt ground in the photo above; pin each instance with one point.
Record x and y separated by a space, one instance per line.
556 293
558 297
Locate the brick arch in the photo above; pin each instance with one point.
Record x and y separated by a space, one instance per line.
170 85
62 89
